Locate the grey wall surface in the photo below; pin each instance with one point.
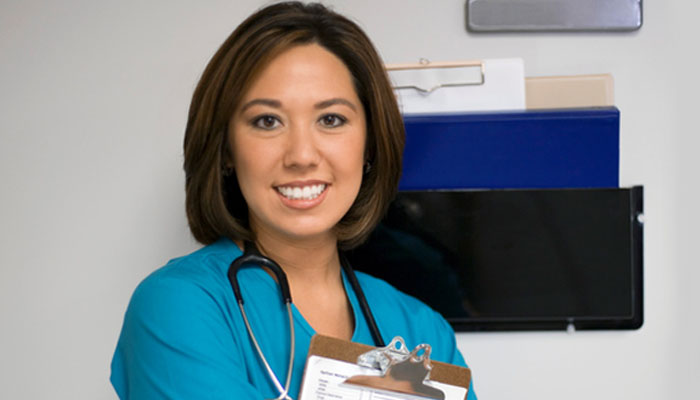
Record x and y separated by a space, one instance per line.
93 102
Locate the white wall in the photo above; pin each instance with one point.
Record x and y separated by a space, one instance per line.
93 102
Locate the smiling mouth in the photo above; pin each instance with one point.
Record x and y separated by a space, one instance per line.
309 192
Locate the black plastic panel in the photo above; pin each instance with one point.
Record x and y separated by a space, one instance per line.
515 259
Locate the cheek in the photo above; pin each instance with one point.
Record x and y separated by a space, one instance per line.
246 161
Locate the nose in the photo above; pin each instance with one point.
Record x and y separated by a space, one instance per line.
302 150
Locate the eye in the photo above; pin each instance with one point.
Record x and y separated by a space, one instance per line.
266 122
332 120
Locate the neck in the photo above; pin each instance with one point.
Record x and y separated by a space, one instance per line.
312 261
312 266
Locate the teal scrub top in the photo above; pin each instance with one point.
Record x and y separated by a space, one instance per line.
184 337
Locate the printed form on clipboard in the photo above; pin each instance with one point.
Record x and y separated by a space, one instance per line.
339 369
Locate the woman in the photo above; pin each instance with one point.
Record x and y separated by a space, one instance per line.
293 146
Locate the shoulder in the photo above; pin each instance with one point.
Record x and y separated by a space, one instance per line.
399 314
387 296
394 305
208 261
195 284
204 268
178 335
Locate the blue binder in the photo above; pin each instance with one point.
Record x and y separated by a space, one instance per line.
567 148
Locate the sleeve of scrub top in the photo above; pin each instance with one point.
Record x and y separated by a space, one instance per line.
444 343
457 358
176 344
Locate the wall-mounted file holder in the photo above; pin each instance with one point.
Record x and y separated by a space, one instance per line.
567 148
515 259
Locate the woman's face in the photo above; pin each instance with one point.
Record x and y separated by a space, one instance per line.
297 143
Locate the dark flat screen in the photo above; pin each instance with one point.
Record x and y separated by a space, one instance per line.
515 259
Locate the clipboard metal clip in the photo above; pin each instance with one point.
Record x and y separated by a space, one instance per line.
426 77
402 371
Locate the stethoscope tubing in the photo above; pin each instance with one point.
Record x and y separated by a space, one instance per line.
282 389
364 306
252 258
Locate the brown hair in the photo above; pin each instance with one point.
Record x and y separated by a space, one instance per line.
215 206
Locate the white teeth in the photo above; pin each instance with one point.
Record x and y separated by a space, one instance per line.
305 193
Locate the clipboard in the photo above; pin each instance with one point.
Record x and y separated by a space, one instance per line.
347 353
459 86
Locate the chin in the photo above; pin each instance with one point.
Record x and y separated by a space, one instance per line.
304 233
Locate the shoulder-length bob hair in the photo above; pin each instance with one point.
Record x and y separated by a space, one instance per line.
215 206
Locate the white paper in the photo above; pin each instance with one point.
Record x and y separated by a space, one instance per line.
503 89
323 380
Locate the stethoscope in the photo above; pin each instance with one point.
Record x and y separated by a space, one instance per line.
251 257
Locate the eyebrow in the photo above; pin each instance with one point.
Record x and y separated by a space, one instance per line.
319 106
334 101
265 102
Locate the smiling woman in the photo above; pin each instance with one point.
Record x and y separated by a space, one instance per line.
293 149
215 209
